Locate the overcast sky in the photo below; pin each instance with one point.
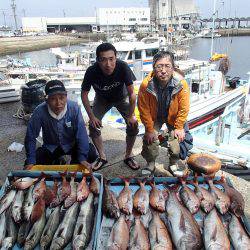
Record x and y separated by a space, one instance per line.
50 8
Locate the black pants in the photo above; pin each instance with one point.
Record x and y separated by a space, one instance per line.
45 157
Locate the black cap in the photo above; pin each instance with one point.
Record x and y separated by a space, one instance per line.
54 87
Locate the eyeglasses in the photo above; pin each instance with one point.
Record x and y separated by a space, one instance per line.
161 66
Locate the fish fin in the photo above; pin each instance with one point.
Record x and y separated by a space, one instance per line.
214 234
165 193
182 223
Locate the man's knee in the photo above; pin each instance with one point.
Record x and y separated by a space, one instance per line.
132 131
174 147
93 132
150 151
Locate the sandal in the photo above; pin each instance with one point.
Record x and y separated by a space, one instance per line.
100 163
130 162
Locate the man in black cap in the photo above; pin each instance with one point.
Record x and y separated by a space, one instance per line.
63 130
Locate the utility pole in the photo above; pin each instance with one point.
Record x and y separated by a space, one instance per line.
24 12
13 6
64 14
4 19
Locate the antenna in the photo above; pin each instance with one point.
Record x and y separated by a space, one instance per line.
13 6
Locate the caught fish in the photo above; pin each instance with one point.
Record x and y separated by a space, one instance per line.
157 198
6 200
84 225
119 236
7 243
40 188
71 199
237 203
188 197
28 204
65 230
35 233
141 199
109 204
215 236
138 236
23 232
125 199
12 231
184 230
239 237
94 185
66 189
222 201
82 190
2 227
51 194
17 206
207 200
24 183
50 228
158 234
38 210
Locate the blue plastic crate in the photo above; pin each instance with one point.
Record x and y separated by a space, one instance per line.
56 175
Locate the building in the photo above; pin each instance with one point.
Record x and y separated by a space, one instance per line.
45 24
106 19
123 19
178 14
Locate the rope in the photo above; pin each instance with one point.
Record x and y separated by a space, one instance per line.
21 114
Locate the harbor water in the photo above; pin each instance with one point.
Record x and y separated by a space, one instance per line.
236 47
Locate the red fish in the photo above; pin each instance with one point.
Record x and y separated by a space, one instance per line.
82 190
38 210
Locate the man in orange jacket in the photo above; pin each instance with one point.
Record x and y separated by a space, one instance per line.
164 97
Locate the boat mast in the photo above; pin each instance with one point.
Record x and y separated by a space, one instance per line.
212 36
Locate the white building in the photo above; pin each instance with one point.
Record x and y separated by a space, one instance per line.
105 19
123 18
178 13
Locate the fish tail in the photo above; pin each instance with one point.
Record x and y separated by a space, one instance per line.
126 180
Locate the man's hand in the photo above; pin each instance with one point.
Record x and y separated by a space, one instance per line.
95 123
150 137
180 134
132 122
28 167
87 165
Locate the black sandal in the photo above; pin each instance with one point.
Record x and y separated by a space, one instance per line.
130 162
100 163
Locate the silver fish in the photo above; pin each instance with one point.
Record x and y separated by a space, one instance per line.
215 236
6 200
65 230
23 232
12 230
84 224
222 202
2 227
50 228
238 236
28 204
35 233
17 206
189 198
7 243
183 228
158 234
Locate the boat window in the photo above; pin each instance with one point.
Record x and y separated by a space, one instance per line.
137 54
151 52
122 55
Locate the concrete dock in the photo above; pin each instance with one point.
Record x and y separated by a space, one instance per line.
14 45
13 129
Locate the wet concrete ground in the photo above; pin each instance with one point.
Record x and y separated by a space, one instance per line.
13 129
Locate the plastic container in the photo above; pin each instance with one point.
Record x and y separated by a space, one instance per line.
53 175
